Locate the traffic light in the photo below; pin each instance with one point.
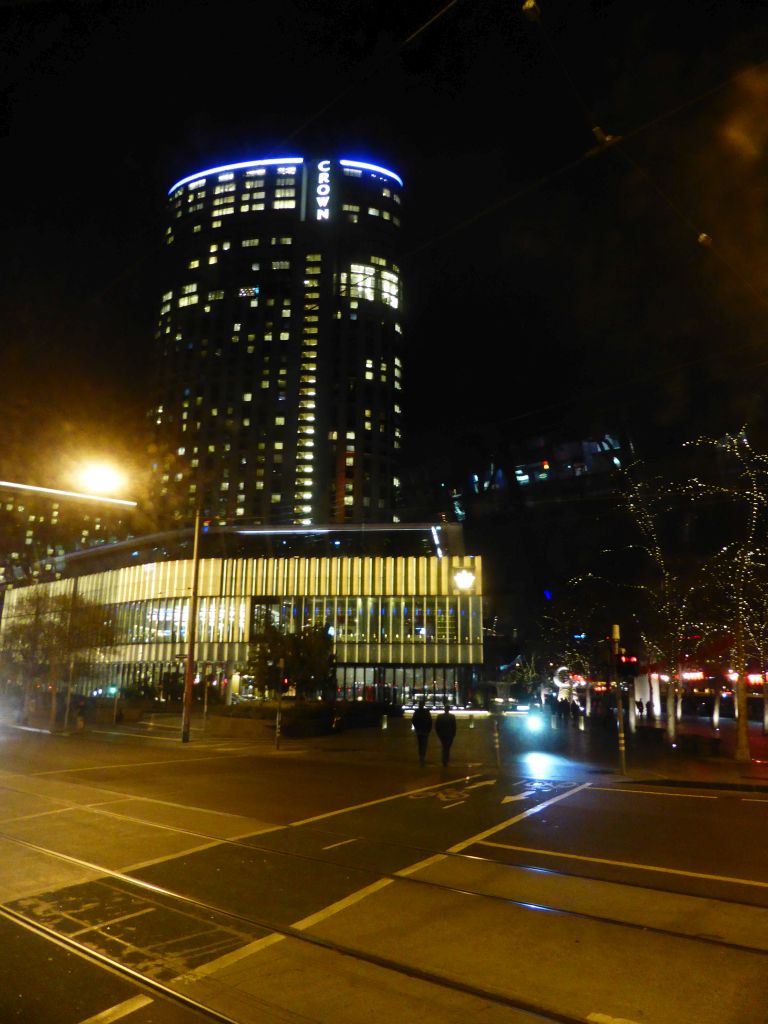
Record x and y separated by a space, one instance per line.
627 665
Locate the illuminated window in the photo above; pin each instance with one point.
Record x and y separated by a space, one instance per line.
284 204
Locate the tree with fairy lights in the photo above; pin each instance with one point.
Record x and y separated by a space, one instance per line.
740 567
660 581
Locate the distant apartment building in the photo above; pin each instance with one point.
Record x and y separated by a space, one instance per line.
38 526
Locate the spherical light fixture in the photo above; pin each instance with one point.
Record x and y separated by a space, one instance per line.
464 579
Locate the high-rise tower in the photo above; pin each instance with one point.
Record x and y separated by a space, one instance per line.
279 344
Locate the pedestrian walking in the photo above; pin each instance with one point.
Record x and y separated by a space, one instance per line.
422 726
445 727
640 708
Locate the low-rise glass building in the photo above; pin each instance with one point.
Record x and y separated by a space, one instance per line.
403 605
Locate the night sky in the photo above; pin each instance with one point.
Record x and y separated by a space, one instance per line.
547 289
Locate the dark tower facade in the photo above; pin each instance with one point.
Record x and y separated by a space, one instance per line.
279 344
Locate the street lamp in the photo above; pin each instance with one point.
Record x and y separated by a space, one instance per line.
189 675
98 477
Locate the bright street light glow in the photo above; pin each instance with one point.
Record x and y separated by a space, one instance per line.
66 494
101 478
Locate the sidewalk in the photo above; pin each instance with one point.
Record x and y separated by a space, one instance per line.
701 758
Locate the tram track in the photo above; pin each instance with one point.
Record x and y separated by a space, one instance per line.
535 1012
366 875
170 899
418 851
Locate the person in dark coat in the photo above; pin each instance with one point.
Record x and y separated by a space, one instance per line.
422 726
445 727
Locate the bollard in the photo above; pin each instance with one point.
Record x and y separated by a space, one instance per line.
471 722
384 723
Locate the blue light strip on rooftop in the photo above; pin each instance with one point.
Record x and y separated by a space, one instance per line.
236 167
372 167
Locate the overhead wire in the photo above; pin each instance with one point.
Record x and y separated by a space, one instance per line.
617 146
357 80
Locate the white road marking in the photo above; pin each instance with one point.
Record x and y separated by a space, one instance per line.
518 817
348 901
477 785
355 897
192 849
518 796
627 864
753 800
228 959
368 803
343 842
111 767
102 925
603 1018
115 797
118 1011
457 804
654 792
419 865
40 814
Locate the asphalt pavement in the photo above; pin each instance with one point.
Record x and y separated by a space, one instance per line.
336 880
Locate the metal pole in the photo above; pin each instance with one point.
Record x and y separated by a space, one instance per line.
281 670
615 638
189 677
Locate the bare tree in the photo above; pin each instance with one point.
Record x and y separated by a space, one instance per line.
45 633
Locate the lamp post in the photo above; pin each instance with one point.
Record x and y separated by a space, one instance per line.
464 580
615 639
189 676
